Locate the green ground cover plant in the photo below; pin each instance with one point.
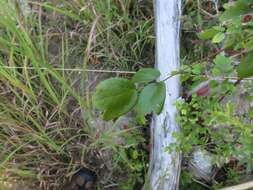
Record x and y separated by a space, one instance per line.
217 41
49 129
216 121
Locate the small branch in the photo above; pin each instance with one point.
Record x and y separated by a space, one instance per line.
216 53
208 57
201 183
240 187
208 14
170 76
228 91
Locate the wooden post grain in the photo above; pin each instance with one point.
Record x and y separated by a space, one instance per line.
164 166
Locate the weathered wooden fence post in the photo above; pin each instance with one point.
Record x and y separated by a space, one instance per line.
164 166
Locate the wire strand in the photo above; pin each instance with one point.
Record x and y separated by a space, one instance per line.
111 71
70 69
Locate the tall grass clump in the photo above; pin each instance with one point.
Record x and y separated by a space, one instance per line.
35 124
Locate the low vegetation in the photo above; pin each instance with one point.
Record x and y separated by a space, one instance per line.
216 114
52 56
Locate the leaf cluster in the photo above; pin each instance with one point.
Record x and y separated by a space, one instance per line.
118 96
235 33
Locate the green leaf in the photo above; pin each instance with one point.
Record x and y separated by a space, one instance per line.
197 69
141 119
146 75
245 69
223 65
249 44
207 34
230 41
218 37
250 112
240 8
115 97
151 99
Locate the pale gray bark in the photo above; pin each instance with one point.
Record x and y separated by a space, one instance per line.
164 166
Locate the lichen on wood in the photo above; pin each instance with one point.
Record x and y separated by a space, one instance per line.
165 166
